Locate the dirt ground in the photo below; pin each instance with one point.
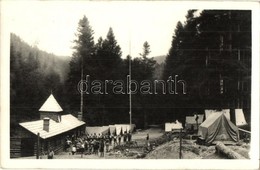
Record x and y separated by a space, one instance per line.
190 150
161 147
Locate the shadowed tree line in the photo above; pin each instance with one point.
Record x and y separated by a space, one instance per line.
211 51
34 74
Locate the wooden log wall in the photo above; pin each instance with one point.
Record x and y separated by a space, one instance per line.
56 143
15 147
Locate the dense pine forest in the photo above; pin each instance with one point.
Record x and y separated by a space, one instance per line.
211 51
34 74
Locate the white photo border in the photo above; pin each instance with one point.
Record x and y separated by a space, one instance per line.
252 163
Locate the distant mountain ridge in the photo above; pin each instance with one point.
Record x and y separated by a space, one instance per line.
160 59
159 67
49 63
60 64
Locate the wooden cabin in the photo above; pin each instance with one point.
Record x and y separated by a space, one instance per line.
49 132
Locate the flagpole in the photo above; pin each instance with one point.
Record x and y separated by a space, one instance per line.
81 93
130 96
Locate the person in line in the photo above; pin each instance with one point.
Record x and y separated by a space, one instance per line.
50 154
147 139
125 137
110 139
82 148
115 140
101 148
107 145
129 135
86 144
73 150
96 146
92 146
119 140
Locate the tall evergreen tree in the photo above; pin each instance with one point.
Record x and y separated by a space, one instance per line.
145 63
173 57
109 56
82 62
206 51
146 50
109 67
101 61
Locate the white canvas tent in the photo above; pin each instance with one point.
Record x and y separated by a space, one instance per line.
173 126
130 127
91 130
104 129
226 112
124 128
119 129
191 121
240 117
112 129
218 128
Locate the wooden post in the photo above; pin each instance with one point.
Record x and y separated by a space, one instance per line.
38 146
180 143
197 125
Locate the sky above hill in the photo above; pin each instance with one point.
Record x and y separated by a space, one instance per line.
52 25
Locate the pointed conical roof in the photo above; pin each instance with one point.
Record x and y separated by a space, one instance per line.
51 105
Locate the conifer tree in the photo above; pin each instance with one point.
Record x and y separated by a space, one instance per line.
109 56
146 50
82 62
206 51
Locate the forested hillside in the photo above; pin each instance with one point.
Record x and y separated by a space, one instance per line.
103 61
34 74
210 54
46 60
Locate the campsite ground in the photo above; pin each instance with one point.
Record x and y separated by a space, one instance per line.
163 149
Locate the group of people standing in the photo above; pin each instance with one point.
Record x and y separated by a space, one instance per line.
95 144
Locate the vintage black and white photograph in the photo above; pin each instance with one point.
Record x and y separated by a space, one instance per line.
116 80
